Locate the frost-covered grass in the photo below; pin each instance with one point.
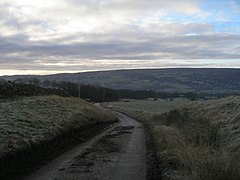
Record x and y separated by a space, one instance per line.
200 140
32 120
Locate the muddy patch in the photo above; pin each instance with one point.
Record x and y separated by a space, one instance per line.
120 131
101 155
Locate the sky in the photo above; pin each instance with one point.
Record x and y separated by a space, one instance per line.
55 36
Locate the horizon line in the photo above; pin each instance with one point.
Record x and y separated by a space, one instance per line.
107 70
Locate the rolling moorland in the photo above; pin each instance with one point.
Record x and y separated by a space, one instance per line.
191 139
36 129
160 80
197 140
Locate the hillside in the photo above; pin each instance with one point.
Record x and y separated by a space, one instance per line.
198 140
164 80
36 129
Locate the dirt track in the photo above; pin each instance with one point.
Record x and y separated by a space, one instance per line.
118 153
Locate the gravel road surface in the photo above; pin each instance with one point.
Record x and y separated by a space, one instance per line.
118 153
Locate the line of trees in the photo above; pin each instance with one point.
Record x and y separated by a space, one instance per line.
90 92
98 93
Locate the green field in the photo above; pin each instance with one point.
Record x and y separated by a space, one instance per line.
149 105
195 140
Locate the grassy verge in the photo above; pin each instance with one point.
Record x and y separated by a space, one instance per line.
36 129
196 141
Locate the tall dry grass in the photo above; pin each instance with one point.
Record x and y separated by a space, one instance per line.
200 141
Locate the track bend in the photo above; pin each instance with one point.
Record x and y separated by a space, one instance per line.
118 153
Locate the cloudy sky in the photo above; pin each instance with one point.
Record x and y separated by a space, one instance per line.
52 36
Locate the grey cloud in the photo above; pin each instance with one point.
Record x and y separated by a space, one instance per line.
192 47
35 42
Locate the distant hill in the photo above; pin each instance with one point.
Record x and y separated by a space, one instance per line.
162 80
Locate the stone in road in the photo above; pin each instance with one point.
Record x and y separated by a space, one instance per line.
118 153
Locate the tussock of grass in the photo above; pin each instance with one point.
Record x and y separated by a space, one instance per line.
200 141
